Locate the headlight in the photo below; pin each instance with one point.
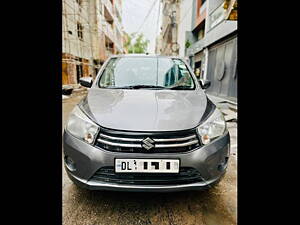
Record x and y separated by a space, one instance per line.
81 126
212 128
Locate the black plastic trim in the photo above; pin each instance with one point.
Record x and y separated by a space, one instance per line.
210 108
186 175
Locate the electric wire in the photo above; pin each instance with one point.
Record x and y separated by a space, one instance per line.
146 17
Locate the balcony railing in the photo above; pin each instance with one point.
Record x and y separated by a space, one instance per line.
196 47
109 7
111 34
117 6
108 30
223 29
117 24
109 52
118 44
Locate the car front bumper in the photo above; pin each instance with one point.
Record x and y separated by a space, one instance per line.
210 160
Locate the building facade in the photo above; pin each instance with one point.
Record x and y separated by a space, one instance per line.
185 25
92 31
206 35
167 42
158 44
213 49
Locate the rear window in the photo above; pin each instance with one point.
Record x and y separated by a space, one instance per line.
146 72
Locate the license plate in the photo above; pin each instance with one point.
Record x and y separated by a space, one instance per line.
147 165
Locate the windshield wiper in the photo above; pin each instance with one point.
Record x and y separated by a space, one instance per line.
113 87
181 88
143 86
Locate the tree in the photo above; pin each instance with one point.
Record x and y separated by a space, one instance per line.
136 43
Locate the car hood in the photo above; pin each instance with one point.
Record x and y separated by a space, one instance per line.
146 109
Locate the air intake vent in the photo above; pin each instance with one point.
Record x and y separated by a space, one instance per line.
186 175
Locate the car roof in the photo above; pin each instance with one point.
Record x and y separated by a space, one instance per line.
144 55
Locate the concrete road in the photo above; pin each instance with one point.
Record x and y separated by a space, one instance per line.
216 206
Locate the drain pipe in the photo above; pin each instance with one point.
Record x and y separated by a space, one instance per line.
205 63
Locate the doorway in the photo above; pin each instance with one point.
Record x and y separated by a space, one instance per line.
78 72
198 68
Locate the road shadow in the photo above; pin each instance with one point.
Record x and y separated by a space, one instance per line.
210 207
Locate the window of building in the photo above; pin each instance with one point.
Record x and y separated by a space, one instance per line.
201 34
79 31
79 70
199 31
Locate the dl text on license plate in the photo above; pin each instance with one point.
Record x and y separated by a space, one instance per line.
147 165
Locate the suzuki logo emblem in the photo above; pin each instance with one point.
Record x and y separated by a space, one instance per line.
148 143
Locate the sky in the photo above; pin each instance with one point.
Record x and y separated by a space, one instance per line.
134 13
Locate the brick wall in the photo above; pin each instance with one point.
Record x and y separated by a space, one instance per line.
69 73
68 70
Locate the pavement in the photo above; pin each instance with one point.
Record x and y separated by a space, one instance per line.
215 206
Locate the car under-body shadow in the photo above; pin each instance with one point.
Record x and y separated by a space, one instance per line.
216 205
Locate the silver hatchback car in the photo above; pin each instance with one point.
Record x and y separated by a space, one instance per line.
145 125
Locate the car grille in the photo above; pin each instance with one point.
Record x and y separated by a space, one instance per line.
163 142
186 175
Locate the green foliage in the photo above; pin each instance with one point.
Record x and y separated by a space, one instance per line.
187 44
136 43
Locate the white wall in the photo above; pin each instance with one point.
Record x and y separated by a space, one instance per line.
92 28
185 23
71 42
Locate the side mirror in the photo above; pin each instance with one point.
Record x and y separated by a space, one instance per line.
67 90
205 83
86 81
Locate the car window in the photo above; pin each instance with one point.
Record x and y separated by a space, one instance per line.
146 71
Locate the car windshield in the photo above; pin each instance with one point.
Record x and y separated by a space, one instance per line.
146 72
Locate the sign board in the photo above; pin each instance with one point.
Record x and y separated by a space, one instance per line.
217 16
226 11
231 7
